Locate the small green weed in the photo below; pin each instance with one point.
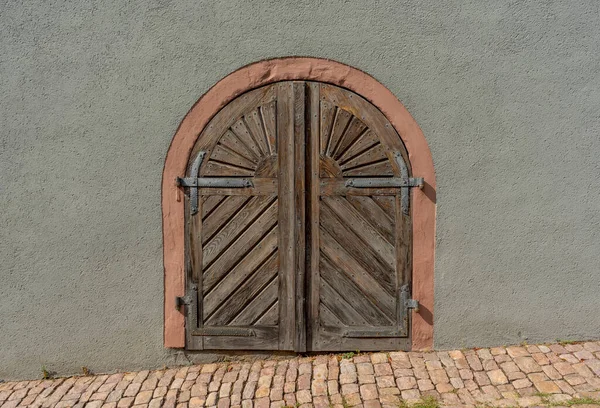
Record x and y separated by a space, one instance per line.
565 342
579 401
426 402
46 375
348 355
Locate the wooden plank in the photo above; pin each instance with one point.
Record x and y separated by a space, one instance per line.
210 203
223 154
235 226
241 131
312 225
298 315
348 290
366 140
377 168
218 218
342 121
261 186
285 146
374 153
339 306
265 338
354 131
331 340
362 229
364 254
346 262
326 317
254 125
231 142
268 114
328 112
375 215
270 318
387 204
260 304
216 294
214 168
240 299
248 240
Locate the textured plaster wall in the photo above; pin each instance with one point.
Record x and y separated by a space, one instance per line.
507 94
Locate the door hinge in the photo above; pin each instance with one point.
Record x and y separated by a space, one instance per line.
182 301
407 302
412 304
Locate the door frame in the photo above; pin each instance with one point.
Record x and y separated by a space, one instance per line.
423 201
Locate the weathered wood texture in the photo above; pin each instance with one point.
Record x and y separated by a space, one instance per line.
242 237
299 261
359 244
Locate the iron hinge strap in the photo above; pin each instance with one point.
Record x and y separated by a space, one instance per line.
383 182
194 182
215 182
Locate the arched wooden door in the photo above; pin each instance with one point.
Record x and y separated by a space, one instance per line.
298 225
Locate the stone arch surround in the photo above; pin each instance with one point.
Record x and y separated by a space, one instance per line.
310 69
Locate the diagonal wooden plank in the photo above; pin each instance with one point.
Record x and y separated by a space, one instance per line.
233 143
327 318
270 318
234 253
254 125
328 113
363 254
211 203
268 115
362 228
354 131
235 226
241 297
376 169
259 306
362 143
387 204
339 306
216 293
241 131
224 154
219 217
352 294
375 215
372 154
339 128
372 289
219 169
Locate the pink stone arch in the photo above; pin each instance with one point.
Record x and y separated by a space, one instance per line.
310 69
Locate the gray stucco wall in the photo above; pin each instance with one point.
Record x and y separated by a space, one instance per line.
507 94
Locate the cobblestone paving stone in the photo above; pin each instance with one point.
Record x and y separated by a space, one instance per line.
525 376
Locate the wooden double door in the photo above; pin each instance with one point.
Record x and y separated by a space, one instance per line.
298 228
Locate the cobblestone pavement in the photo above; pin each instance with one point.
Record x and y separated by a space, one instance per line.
531 375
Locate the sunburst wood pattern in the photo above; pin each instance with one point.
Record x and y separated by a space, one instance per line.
355 148
247 146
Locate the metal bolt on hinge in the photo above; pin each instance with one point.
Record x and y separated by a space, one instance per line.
182 301
412 304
